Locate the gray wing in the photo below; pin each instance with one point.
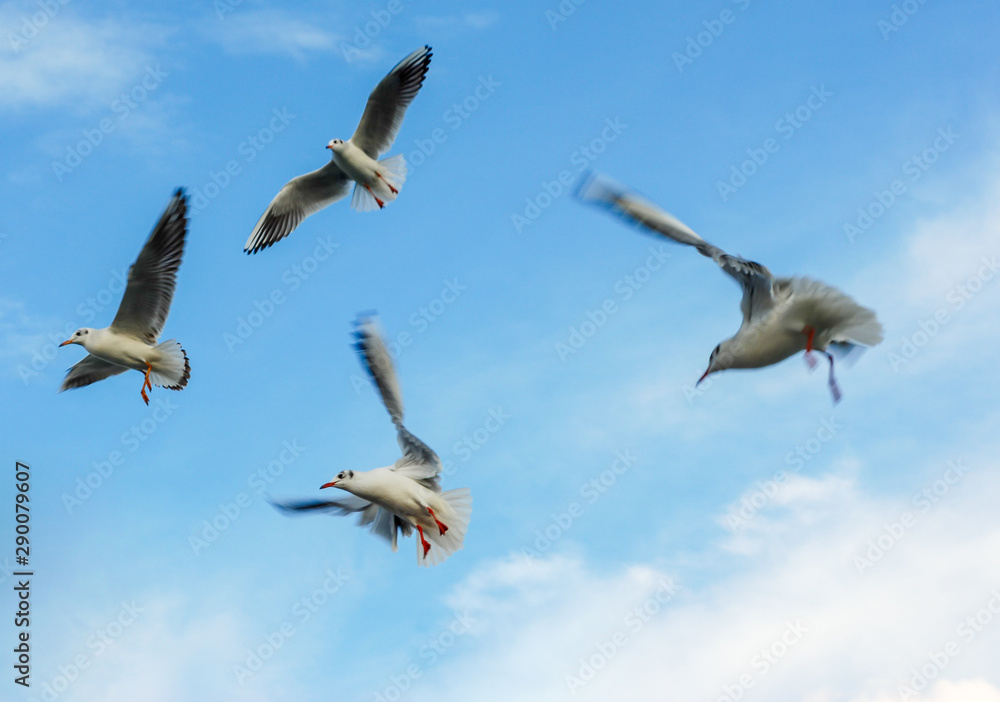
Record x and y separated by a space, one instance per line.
299 198
153 277
418 461
89 370
383 522
388 102
755 279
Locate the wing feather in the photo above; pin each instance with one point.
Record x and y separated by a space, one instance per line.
387 103
89 370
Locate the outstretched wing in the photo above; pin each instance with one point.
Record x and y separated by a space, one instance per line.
153 276
299 198
383 522
419 461
89 370
387 104
755 280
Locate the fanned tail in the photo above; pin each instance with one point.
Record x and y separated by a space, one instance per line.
443 545
172 370
393 172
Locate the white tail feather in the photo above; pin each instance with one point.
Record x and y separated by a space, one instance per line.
172 370
841 318
443 545
393 172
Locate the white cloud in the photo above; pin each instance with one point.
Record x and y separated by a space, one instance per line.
797 621
271 32
70 60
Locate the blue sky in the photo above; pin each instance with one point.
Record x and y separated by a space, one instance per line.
729 547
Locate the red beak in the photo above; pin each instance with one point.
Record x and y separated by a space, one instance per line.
331 484
329 147
704 375
68 341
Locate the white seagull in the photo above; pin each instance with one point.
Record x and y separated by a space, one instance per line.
781 316
355 160
130 341
406 494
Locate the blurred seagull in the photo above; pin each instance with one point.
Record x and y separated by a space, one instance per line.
355 160
781 316
406 494
130 341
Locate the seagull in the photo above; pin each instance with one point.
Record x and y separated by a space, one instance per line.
781 316
407 494
355 160
130 341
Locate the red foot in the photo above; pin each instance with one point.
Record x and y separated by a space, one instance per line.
393 189
441 527
423 542
146 384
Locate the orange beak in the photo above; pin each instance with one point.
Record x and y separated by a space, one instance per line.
331 484
68 341
329 147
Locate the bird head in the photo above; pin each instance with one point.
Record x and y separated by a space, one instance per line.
716 361
343 480
336 145
79 337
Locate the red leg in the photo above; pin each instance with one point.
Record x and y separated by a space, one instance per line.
441 527
146 383
380 203
810 333
424 542
394 191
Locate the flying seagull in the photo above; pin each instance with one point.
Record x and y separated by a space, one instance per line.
407 494
130 341
355 160
781 316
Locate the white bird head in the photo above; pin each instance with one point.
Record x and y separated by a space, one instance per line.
721 359
80 336
343 481
336 145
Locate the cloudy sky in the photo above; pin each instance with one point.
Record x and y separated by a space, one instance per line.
632 537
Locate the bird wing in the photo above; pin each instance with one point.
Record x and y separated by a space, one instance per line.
388 102
383 522
90 370
153 277
299 198
755 279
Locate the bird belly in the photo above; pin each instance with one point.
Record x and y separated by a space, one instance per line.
757 348
122 351
358 166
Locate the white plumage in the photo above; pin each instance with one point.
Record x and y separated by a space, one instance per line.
781 316
406 495
130 341
355 160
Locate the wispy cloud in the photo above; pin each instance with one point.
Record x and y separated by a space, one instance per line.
271 32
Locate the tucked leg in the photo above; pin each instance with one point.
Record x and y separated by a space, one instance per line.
146 383
391 187
423 542
441 527
810 333
380 203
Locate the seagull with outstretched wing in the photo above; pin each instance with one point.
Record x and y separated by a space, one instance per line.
353 161
781 316
130 341
407 494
